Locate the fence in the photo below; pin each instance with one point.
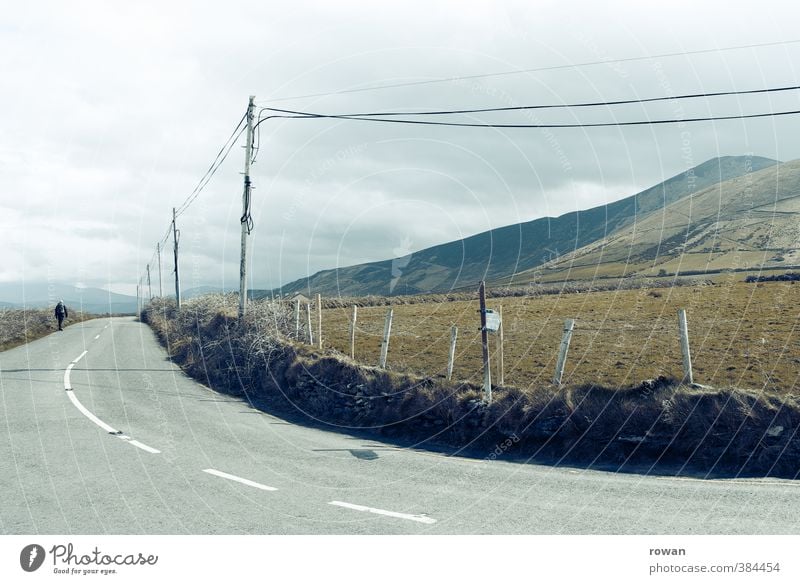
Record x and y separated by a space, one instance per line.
359 327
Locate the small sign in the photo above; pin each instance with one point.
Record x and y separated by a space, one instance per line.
492 320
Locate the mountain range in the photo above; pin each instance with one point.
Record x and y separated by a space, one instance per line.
512 254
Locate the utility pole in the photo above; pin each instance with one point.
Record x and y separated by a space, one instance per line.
160 286
138 303
149 286
245 220
487 371
177 278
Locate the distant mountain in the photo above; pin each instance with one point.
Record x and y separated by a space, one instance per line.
201 291
502 253
748 222
46 294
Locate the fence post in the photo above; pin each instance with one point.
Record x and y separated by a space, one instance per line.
452 355
569 324
310 332
353 333
487 370
499 339
319 321
297 319
687 356
387 330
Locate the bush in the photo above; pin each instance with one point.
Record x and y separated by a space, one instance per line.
657 421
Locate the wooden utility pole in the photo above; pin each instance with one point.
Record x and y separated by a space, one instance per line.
175 247
387 331
687 355
319 321
487 371
452 354
160 285
149 286
245 220
353 332
569 325
499 344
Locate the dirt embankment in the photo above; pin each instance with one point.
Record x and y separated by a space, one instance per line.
658 422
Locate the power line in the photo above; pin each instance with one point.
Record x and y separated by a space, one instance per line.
305 115
534 70
218 160
556 106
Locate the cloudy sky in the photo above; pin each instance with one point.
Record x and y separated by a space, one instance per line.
110 112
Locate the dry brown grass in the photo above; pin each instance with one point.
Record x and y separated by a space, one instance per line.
18 327
728 431
742 335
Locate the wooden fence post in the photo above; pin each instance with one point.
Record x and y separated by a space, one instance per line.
353 333
310 332
319 321
499 339
387 330
569 324
487 370
452 355
687 355
297 319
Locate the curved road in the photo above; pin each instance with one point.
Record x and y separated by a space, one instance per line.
99 433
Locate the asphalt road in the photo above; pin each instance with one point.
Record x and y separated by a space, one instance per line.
191 461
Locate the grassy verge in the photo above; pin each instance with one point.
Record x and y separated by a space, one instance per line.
657 422
20 326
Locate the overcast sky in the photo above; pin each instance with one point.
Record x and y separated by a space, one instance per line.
110 112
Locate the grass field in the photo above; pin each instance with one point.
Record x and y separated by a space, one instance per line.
741 335
18 326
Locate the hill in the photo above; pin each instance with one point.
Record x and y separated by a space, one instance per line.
506 251
46 294
744 223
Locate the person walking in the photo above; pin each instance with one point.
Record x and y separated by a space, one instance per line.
61 313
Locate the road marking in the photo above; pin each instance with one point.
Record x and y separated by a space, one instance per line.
82 409
231 477
67 385
97 336
418 518
76 402
144 447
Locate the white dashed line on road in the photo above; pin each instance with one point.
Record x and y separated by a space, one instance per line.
97 336
97 421
418 518
231 477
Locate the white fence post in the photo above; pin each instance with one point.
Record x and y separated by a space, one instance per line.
387 330
319 321
687 355
310 332
353 333
569 324
452 355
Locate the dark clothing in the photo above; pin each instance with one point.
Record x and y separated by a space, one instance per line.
61 314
